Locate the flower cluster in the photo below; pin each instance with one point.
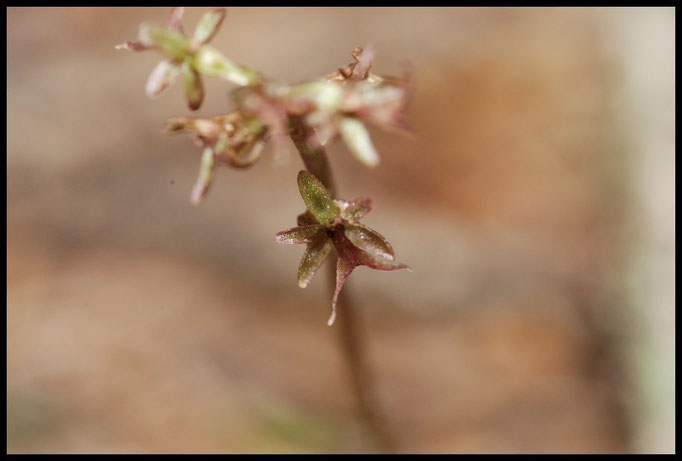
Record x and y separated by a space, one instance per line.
312 113
189 57
335 106
331 223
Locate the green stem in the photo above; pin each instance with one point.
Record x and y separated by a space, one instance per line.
314 157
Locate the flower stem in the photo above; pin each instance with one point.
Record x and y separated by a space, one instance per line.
314 157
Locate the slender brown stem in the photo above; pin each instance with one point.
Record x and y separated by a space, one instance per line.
312 152
351 336
315 159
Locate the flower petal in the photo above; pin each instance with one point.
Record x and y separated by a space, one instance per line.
315 254
343 270
301 234
206 174
357 139
164 75
350 257
317 199
208 26
355 209
212 63
370 241
175 18
194 88
356 256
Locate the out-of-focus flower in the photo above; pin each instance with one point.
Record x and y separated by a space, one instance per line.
187 56
262 102
331 223
338 105
226 140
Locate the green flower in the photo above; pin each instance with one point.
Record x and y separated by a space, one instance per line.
189 57
331 223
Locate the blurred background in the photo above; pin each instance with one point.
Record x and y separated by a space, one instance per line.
535 206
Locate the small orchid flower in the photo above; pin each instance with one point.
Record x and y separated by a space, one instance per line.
338 105
186 56
226 140
331 223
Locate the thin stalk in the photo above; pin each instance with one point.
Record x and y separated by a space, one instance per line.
314 157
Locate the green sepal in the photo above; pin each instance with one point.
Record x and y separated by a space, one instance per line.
316 198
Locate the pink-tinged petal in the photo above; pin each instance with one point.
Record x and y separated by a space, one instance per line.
316 198
194 87
164 75
355 209
175 19
370 241
350 257
305 219
208 26
206 174
364 58
132 46
301 234
343 270
315 254
356 256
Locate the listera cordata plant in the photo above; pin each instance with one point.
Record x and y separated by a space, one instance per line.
312 113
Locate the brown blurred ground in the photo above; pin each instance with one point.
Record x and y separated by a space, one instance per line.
138 323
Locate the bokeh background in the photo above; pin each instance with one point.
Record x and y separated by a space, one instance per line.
535 204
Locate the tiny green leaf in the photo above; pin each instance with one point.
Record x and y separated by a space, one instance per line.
357 139
316 198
